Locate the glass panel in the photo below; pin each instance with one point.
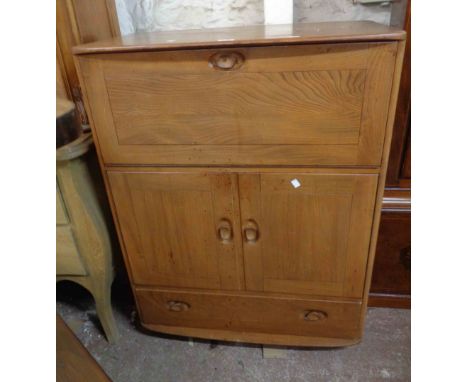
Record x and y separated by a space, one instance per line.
152 15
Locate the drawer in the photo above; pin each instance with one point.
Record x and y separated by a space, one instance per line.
322 104
250 313
68 260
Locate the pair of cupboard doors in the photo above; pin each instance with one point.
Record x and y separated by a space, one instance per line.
303 232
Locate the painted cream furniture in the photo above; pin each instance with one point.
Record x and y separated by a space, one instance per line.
83 251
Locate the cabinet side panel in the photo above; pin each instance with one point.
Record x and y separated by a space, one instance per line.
381 185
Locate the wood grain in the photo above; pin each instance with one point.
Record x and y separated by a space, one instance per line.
73 362
398 182
170 222
313 239
67 36
401 146
256 35
381 184
254 313
61 85
320 107
406 166
252 337
96 20
392 267
77 22
311 105
157 148
388 300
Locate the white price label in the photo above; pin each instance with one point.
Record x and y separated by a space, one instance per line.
295 183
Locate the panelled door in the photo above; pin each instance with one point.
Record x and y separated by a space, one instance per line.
318 104
299 233
307 233
180 229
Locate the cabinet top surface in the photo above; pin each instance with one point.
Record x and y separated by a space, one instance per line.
256 35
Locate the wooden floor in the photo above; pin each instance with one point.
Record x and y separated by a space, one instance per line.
74 363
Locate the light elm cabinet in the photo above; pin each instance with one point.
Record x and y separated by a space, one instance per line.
245 170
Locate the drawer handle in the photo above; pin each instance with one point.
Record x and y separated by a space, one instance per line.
315 315
251 232
177 306
225 231
226 60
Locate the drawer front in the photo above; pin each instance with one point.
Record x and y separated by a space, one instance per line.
259 314
68 261
317 104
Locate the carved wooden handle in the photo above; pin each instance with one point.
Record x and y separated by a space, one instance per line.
251 233
177 306
226 60
225 230
315 315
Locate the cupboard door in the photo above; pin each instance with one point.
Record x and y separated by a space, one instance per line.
318 104
180 229
307 233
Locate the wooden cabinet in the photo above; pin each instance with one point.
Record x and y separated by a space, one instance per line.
245 169
311 231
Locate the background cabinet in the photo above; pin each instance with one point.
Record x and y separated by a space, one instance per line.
391 283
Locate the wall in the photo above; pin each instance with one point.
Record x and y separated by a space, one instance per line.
312 11
151 15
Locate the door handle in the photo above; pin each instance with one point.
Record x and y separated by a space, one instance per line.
177 306
225 230
251 232
226 60
315 315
